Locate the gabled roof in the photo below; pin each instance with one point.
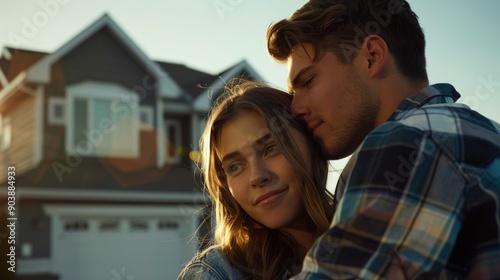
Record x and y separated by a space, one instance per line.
209 94
40 71
13 61
192 81
177 82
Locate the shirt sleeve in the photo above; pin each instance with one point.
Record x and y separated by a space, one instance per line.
402 203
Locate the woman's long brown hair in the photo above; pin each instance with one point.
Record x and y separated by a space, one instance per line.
261 252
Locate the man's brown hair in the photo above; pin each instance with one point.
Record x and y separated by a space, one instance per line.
341 26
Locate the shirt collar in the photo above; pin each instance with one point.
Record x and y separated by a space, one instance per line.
433 94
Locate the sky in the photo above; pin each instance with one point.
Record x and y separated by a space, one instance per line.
463 36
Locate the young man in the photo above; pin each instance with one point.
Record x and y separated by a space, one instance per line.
420 196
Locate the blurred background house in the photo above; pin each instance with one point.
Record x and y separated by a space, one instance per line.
104 142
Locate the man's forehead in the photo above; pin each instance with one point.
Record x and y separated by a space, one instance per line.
301 53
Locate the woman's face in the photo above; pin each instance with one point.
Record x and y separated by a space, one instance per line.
259 176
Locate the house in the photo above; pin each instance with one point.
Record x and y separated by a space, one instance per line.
101 142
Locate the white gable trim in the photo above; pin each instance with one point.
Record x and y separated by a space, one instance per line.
203 102
40 71
7 91
6 54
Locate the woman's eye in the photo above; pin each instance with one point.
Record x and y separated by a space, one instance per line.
308 83
271 148
233 168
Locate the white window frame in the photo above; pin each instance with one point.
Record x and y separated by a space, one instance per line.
177 141
5 133
147 124
52 118
120 96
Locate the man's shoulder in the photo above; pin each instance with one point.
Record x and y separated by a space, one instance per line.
464 135
451 119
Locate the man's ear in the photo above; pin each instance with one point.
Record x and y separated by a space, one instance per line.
375 54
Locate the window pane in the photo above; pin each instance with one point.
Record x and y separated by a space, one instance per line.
101 113
80 121
173 138
123 132
145 117
113 225
167 225
171 141
58 111
76 225
139 225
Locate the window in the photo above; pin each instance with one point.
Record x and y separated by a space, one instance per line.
167 225
173 139
102 120
76 225
146 117
5 133
57 112
109 226
139 225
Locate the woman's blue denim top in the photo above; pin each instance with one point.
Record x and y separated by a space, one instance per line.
213 264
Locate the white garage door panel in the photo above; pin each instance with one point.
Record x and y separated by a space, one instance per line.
145 258
121 248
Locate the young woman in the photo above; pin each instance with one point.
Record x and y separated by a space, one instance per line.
267 181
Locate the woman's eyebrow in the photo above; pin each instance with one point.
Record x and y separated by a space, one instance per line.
260 141
265 138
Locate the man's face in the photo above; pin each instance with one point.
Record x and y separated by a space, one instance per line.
333 99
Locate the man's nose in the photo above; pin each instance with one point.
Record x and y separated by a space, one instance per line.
299 107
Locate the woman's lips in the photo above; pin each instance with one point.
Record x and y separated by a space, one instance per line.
269 197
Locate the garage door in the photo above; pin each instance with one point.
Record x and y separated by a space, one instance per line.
119 243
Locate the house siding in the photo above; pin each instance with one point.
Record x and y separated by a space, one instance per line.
20 152
102 58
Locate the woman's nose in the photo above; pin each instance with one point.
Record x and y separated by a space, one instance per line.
260 175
